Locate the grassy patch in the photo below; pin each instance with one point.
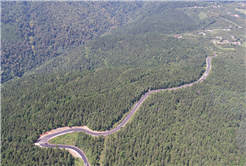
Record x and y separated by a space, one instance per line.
68 139
244 44
91 146
79 162
241 10
230 49
202 15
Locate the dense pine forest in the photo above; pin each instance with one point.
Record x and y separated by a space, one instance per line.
88 63
198 125
98 99
34 33
149 49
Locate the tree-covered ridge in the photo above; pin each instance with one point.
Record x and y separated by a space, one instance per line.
88 92
192 126
98 99
230 68
182 128
36 103
44 30
168 22
36 32
150 49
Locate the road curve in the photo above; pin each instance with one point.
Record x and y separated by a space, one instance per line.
42 142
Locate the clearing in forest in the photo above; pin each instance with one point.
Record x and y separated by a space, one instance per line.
202 15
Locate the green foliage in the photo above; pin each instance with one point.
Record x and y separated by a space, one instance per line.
55 27
182 128
96 98
150 49
199 125
91 146
203 124
230 87
202 15
188 126
36 32
67 139
167 22
19 153
227 99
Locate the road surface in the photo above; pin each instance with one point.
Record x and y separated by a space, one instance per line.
43 141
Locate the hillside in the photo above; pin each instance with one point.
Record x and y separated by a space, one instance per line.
127 40
148 49
199 125
36 32
41 31
88 63
97 98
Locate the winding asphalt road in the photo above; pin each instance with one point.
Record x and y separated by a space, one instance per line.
42 142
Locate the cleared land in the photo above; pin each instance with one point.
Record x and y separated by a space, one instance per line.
202 15
241 10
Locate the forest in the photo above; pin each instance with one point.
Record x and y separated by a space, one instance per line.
88 63
198 125
148 49
41 31
34 33
97 98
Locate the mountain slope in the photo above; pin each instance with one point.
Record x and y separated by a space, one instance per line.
43 30
36 32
